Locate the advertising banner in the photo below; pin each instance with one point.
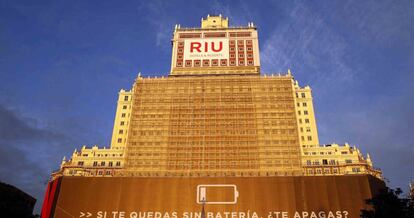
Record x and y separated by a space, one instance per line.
209 197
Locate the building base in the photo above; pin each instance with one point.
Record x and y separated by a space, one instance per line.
210 197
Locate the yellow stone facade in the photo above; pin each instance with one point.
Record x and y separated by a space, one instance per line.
214 22
122 120
334 159
216 120
308 132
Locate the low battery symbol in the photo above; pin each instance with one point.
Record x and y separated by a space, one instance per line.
217 194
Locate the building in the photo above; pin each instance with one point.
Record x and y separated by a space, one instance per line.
334 159
216 118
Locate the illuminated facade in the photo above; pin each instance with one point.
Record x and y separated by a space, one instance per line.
216 116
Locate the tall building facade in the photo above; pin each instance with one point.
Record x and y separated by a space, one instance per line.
215 138
216 115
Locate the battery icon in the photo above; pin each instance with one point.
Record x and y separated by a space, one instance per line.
217 194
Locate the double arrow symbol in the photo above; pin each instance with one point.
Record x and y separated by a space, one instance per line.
87 214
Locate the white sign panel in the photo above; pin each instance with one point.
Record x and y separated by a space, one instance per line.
199 49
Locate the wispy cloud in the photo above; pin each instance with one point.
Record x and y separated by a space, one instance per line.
156 13
305 39
238 12
24 146
381 22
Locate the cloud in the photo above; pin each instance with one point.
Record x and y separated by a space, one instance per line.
27 152
305 40
239 13
159 19
382 21
13 128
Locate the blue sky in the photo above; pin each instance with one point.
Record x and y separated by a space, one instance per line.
62 64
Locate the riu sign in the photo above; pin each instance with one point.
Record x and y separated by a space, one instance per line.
201 49
206 47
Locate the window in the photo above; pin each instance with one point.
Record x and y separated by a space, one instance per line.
325 162
121 131
308 129
197 63
206 63
308 162
124 107
348 161
95 163
110 164
304 104
126 98
100 173
306 120
122 123
123 115
305 112
318 171
103 163
80 163
299 113
119 140
108 172
303 95
118 163
188 63
301 129
309 138
356 170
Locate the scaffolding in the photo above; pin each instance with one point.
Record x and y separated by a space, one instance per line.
213 126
